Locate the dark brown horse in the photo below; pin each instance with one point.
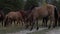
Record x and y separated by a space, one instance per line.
43 11
13 16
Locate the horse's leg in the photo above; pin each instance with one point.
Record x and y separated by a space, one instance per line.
55 15
10 21
26 24
56 19
52 21
14 21
2 22
17 21
56 22
22 22
59 21
37 24
46 20
5 22
43 21
32 23
50 24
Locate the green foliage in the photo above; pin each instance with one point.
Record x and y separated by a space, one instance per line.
8 5
29 3
58 5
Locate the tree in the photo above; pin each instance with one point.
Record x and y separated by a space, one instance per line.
8 5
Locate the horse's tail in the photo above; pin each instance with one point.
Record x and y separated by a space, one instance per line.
55 15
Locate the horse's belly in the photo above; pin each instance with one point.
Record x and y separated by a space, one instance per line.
43 14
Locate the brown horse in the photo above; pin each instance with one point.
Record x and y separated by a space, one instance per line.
43 11
13 16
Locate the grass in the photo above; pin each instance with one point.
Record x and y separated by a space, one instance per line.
10 29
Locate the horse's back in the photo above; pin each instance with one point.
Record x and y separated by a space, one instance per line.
42 11
11 15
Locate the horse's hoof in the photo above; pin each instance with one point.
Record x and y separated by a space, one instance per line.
37 28
31 29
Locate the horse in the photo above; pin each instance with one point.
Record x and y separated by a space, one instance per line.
43 11
13 16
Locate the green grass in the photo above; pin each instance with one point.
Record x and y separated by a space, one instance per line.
10 29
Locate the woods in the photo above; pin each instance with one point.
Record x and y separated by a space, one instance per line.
8 5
